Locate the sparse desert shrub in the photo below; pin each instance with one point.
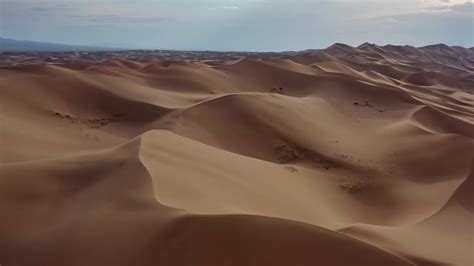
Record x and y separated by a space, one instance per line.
326 164
356 186
288 153
292 169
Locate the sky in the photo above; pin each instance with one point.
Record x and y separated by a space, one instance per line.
238 25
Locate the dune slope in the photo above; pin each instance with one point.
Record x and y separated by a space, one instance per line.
346 156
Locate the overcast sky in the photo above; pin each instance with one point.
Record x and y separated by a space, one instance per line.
252 25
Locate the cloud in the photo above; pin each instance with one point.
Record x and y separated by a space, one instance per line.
116 19
48 8
451 26
239 24
231 7
467 7
40 9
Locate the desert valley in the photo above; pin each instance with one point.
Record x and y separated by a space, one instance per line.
339 156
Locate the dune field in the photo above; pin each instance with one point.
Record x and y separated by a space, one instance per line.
341 156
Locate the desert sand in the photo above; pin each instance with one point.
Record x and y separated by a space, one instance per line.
342 156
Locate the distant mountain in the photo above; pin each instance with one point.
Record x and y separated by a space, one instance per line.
11 45
453 56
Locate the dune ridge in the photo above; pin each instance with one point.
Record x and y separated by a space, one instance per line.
347 155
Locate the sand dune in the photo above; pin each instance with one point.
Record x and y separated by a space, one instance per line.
345 156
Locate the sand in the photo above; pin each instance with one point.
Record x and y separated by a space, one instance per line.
347 156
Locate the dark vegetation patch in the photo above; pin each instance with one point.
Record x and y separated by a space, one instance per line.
92 122
288 153
357 185
326 164
276 90
365 104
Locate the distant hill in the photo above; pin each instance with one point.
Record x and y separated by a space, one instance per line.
452 56
11 45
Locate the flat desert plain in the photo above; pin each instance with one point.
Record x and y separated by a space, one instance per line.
341 156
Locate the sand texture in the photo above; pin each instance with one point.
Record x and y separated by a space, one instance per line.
342 156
